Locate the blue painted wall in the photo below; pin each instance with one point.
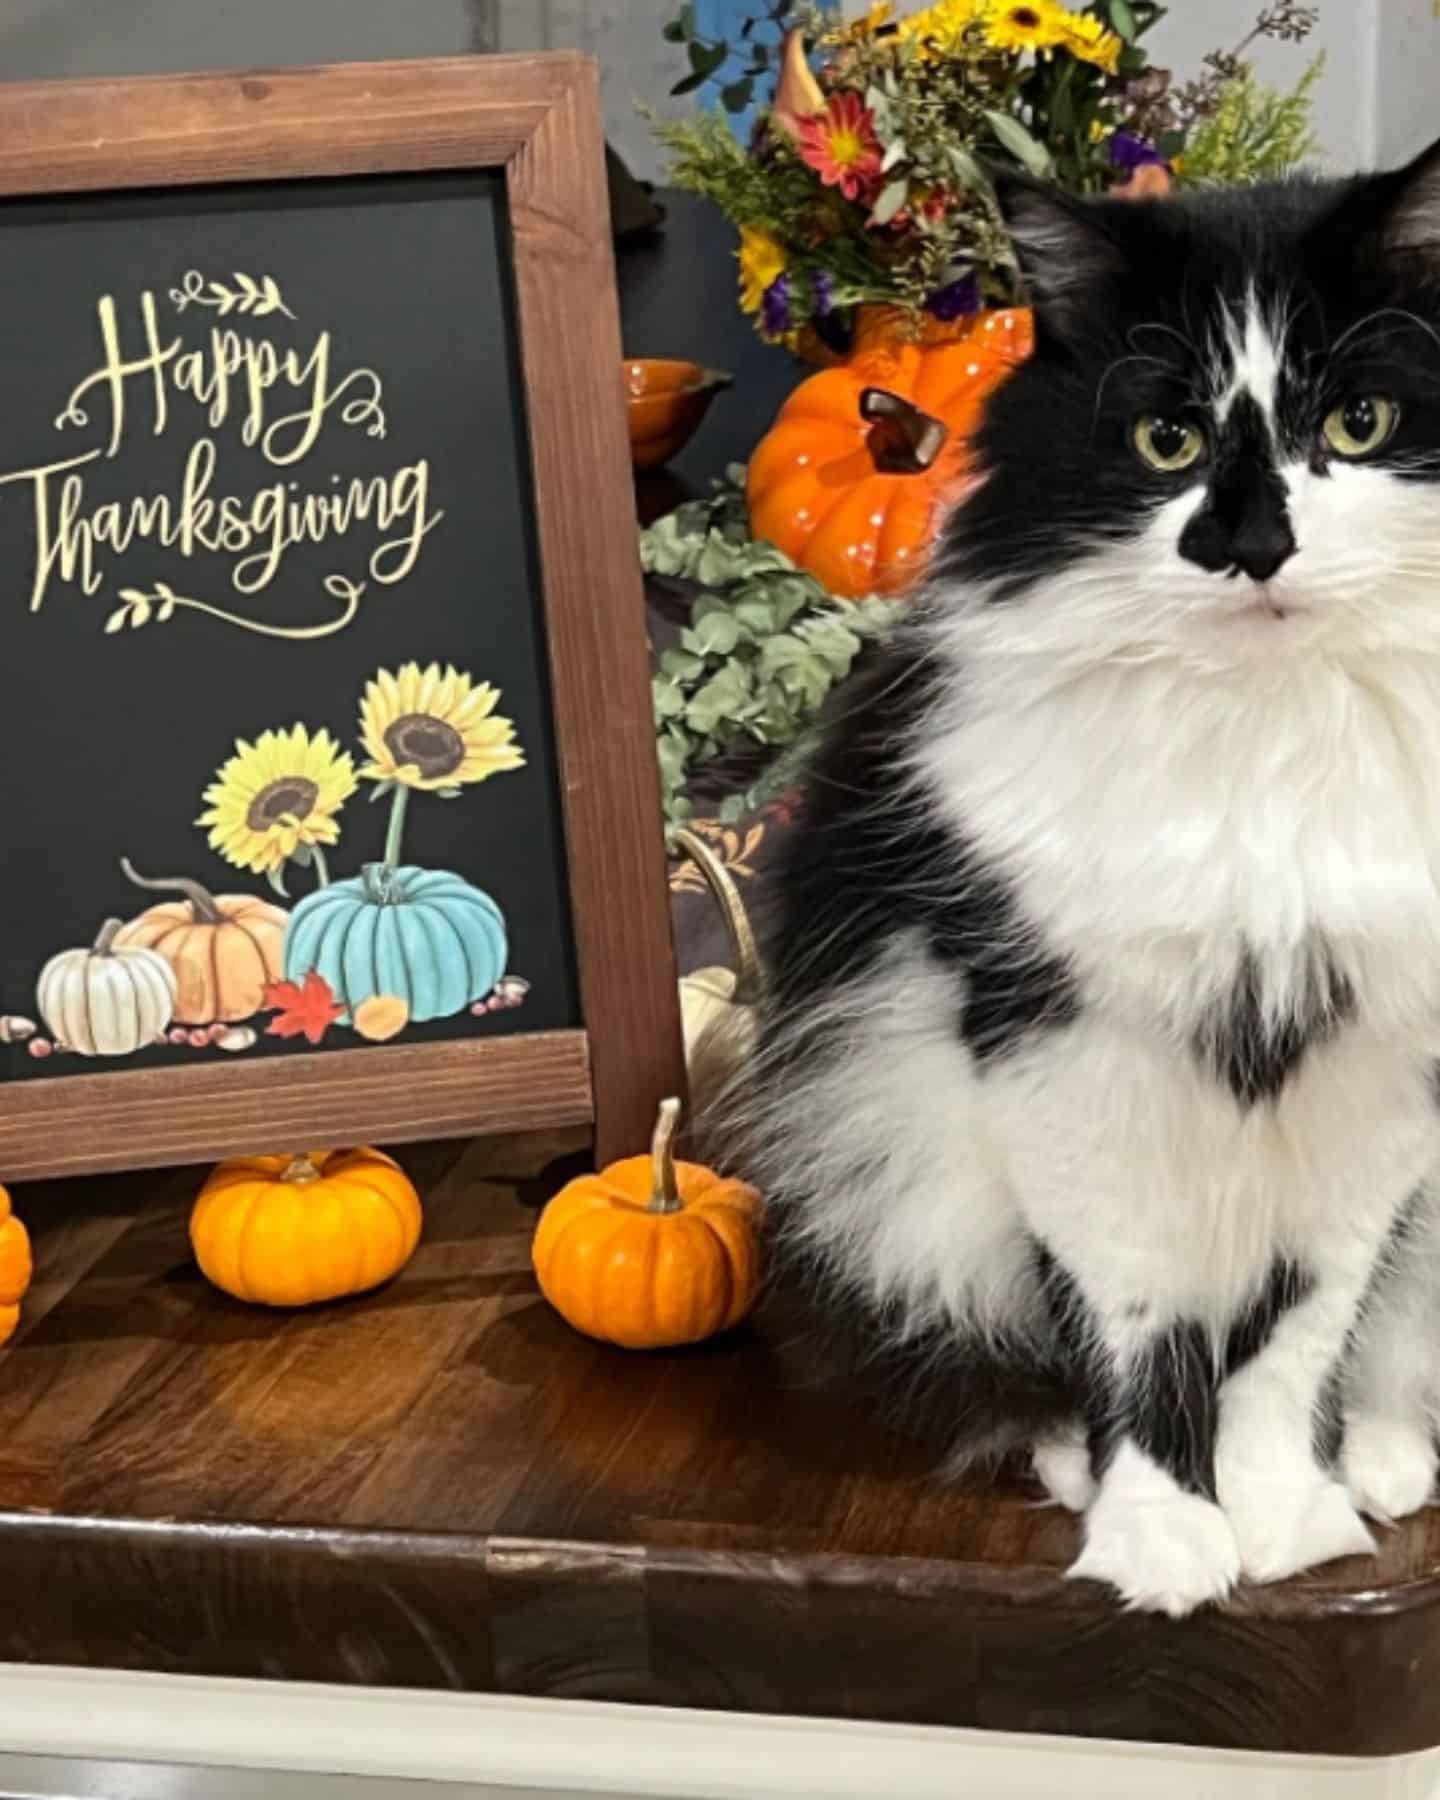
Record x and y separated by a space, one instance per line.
723 19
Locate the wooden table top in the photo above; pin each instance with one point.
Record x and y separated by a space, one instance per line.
441 1485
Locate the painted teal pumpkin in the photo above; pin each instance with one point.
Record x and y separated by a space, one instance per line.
424 935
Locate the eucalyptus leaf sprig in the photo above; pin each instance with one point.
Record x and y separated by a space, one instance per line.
765 646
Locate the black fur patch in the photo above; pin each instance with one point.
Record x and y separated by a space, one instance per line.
1168 1402
1254 1056
871 866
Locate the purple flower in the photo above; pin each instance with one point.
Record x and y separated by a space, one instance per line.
956 300
775 307
1130 153
822 288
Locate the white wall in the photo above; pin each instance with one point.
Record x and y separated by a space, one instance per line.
1345 101
1408 90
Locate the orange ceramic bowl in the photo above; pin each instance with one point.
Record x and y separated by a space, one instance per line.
666 401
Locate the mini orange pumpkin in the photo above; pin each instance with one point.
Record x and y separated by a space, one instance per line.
856 475
296 1230
16 1267
651 1252
223 948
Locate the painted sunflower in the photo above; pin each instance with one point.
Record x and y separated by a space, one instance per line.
433 728
276 795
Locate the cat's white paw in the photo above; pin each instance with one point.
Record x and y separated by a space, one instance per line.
1284 1524
1062 1466
1166 1554
1389 1466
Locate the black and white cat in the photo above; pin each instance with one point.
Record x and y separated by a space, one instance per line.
1097 1089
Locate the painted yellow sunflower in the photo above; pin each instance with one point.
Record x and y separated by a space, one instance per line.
762 263
278 795
434 728
1027 25
1086 38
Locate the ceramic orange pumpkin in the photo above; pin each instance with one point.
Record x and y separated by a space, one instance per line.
223 948
296 1230
16 1267
859 469
651 1252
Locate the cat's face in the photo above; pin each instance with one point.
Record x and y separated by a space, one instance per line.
1228 440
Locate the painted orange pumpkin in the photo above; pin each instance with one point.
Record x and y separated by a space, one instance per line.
296 1230
856 475
16 1267
223 948
651 1252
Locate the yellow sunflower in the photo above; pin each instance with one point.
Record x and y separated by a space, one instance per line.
276 795
433 728
1027 25
1087 38
762 263
941 28
859 31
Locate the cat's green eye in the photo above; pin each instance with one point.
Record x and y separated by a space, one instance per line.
1362 425
1168 444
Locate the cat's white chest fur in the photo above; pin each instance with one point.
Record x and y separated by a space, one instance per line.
1159 823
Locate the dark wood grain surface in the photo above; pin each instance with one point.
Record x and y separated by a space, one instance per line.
441 1485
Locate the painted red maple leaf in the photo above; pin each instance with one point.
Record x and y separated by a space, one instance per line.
306 1007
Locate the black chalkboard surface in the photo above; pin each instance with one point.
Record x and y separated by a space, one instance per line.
326 747
265 512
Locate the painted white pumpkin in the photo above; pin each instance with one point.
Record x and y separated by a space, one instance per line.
108 1001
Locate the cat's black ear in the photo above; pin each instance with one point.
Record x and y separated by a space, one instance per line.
1067 251
1409 208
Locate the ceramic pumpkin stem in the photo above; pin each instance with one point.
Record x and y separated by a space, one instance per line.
903 439
664 1189
202 901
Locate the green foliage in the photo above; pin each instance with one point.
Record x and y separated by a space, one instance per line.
929 100
765 646
1255 133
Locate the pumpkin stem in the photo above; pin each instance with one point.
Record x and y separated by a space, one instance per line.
300 1171
109 931
664 1189
396 831
202 901
748 972
902 439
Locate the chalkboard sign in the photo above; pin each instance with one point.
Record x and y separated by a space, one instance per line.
330 797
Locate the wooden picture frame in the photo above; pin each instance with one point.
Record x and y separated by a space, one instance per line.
538 119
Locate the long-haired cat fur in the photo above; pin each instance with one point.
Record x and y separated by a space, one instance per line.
1096 1092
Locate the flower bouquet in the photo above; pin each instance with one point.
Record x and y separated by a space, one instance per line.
866 181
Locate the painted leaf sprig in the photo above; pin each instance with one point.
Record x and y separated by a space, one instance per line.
257 297
137 607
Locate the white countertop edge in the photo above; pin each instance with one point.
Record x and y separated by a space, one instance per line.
588 1747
